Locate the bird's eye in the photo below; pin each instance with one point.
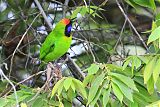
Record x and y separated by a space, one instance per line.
68 30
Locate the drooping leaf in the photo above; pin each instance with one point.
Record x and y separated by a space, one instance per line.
149 69
57 85
154 35
67 83
126 80
87 79
79 87
124 89
117 92
93 69
150 85
94 87
156 71
106 94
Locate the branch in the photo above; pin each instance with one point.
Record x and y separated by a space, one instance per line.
126 17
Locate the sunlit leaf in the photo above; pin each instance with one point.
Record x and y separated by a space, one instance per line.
156 71
79 87
67 83
117 92
126 80
150 85
56 87
149 69
106 94
124 89
154 35
94 87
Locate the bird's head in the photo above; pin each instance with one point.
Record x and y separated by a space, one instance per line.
68 26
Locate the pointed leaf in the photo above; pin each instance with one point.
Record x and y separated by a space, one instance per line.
124 89
126 80
127 61
106 94
154 35
57 85
150 85
117 92
93 69
67 83
156 71
94 87
79 87
149 69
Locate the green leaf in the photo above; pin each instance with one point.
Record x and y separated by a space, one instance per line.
127 61
73 87
137 62
150 85
92 104
154 35
79 87
87 79
124 89
126 80
146 3
106 94
154 104
156 71
117 92
149 69
93 69
67 83
94 87
56 87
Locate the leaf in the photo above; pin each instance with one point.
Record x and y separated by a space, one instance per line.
79 87
95 86
146 3
137 62
124 89
92 104
156 71
87 79
150 85
23 105
106 94
56 87
93 69
154 35
127 61
117 92
67 83
126 80
73 87
154 104
149 70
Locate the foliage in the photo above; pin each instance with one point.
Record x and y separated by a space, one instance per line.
135 83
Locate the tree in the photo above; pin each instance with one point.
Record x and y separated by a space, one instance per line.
103 73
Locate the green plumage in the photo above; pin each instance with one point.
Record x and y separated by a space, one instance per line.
56 44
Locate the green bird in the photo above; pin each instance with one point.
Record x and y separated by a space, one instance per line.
57 42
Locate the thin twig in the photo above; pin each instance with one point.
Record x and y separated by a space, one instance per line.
15 93
43 13
21 42
126 17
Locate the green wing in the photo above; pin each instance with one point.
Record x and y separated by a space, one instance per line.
48 45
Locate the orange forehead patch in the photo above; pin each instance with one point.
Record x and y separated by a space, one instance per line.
65 21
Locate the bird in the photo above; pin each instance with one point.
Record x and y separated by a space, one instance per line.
57 42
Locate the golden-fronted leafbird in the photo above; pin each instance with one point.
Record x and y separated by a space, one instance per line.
57 42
